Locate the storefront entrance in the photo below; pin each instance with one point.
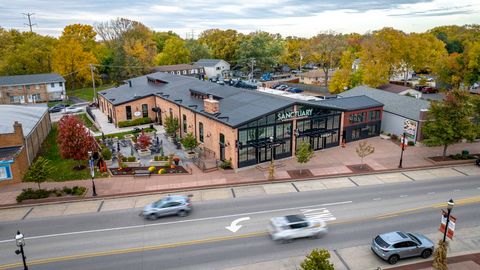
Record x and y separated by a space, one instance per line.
264 154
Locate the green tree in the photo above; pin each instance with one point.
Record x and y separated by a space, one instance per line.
265 48
222 43
472 63
171 125
318 259
174 52
161 37
304 153
39 171
295 52
450 121
197 50
345 78
189 141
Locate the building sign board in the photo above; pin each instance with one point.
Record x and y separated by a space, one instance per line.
410 129
137 113
282 116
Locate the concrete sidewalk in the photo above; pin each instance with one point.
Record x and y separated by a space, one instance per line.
92 205
466 241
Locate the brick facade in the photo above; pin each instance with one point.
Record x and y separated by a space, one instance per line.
20 160
7 92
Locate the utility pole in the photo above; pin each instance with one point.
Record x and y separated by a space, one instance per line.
29 20
93 82
193 34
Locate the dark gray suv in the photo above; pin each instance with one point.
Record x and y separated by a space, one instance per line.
393 246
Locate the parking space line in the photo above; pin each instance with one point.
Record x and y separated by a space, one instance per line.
353 181
233 193
100 206
466 174
408 176
28 212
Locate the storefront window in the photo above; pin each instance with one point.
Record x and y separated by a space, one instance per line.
128 110
145 110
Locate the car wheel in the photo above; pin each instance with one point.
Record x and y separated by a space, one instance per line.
426 253
393 259
152 217
182 213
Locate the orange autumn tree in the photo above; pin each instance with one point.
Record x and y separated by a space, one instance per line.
74 139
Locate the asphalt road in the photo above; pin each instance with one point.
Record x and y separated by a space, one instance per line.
123 240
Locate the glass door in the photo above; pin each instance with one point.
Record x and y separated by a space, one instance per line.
264 154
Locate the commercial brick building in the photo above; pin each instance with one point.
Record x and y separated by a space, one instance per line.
22 132
239 124
35 88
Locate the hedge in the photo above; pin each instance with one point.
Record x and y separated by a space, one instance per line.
136 122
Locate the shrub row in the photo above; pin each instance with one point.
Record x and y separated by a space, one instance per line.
136 122
34 194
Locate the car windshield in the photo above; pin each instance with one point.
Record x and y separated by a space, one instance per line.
159 203
415 238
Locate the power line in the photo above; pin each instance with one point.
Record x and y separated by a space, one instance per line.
29 20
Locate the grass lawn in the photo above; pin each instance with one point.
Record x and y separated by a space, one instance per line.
53 103
121 135
63 168
87 122
87 93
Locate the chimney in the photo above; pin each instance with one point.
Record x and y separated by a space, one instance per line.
129 83
17 129
211 105
422 119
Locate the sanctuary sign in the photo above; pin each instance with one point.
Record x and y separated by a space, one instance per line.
282 116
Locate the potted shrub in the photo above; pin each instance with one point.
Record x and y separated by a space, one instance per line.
226 164
176 160
107 156
131 161
171 126
159 161
144 142
190 142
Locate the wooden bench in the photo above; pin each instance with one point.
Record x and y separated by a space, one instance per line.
138 173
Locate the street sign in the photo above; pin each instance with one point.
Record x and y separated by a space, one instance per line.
451 224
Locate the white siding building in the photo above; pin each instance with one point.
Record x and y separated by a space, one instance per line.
213 67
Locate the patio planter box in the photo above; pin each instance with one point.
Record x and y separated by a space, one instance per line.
108 162
158 163
132 164
144 152
129 136
191 154
385 137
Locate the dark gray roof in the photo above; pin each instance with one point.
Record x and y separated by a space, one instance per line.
178 67
237 106
208 62
408 107
31 79
351 103
7 153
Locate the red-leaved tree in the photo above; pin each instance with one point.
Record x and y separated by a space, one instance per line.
144 141
74 139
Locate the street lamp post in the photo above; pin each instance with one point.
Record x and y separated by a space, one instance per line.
92 173
450 205
20 240
403 149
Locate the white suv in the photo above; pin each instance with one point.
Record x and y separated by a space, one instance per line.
295 226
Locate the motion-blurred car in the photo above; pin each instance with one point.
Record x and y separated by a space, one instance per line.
290 227
171 205
393 246
57 108
73 110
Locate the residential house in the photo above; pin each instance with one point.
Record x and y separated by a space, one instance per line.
315 76
400 90
34 88
238 124
214 67
182 69
23 128
400 113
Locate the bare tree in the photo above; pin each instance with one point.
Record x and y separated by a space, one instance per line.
363 150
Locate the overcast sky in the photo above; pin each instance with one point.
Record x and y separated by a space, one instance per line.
288 17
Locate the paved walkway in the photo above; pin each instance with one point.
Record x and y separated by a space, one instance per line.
326 163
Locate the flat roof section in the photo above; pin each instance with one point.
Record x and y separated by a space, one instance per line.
27 115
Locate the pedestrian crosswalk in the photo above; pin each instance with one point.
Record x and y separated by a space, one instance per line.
318 214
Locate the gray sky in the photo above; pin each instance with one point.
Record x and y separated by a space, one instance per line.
288 17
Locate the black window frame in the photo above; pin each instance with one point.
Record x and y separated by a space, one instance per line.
200 132
144 110
184 123
128 112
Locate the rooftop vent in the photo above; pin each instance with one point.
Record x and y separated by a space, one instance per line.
130 83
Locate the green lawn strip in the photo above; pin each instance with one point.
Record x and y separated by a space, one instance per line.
63 168
87 122
53 103
121 135
87 92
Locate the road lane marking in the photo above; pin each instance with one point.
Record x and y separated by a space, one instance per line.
377 199
207 240
403 196
234 227
176 222
457 190
320 214
431 193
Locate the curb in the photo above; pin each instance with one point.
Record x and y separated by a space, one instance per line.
247 183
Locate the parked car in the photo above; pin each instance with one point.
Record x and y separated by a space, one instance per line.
171 205
295 90
282 87
477 161
393 246
290 227
57 108
73 109
429 90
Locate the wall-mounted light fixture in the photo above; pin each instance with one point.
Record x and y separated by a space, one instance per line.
209 134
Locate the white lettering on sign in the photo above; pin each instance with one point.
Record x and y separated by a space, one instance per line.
294 114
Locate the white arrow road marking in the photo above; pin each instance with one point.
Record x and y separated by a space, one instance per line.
318 214
234 227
